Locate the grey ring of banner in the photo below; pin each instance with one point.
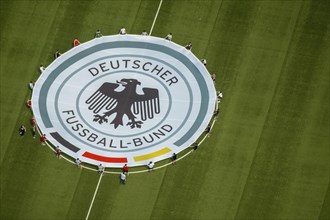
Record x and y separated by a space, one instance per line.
127 44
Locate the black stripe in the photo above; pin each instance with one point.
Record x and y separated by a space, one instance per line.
64 142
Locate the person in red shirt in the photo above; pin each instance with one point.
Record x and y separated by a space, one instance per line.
28 103
58 152
43 139
76 42
125 169
33 122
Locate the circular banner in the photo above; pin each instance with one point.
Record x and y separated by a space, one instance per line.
124 99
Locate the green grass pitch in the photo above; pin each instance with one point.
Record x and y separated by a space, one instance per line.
268 154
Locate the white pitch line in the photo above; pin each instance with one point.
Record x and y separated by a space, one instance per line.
153 23
97 188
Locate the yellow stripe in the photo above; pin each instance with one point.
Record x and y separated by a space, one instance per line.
152 155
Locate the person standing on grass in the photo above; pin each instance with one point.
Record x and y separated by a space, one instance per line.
213 76
78 163
43 139
57 54
195 146
22 130
215 114
34 132
189 46
207 130
169 37
204 61
31 85
98 34
33 121
125 169
219 96
150 166
28 103
122 31
100 169
41 68
76 42
173 158
122 178
58 152
144 33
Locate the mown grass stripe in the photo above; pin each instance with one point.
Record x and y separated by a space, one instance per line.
289 41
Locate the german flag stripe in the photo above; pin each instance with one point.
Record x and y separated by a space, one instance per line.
105 159
158 153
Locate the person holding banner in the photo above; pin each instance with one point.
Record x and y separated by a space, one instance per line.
98 34
169 37
122 31
76 42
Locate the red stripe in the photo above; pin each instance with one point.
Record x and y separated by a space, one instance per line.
105 159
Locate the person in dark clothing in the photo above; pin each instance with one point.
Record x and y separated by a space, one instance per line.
57 54
98 34
22 130
189 46
195 146
173 158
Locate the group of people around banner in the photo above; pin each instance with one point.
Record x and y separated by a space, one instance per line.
123 175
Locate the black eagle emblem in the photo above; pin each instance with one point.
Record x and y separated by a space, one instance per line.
126 102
